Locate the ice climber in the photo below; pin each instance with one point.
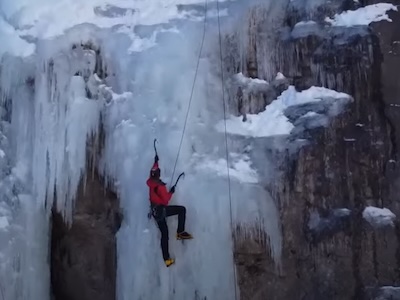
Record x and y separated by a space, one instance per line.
159 198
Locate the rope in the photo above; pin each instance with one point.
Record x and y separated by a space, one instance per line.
192 91
188 109
226 145
224 105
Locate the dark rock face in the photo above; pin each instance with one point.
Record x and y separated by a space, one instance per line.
349 164
384 293
83 256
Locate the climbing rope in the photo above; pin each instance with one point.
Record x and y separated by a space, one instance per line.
171 283
226 145
193 85
224 105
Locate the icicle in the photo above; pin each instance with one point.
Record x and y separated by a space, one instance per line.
64 119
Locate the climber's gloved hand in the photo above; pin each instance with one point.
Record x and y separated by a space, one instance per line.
172 190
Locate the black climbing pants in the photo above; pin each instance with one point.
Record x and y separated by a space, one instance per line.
171 210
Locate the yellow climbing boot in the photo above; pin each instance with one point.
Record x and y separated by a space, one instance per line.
183 236
169 262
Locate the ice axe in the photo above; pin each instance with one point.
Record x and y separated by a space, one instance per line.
179 177
155 149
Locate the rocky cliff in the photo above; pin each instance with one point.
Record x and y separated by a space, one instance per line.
83 255
329 250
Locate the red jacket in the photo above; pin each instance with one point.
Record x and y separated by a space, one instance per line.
157 190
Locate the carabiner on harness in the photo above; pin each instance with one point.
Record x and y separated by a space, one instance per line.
158 212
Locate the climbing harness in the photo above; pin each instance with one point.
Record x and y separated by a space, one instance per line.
158 212
226 146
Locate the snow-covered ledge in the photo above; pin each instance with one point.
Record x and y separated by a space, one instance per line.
379 217
273 120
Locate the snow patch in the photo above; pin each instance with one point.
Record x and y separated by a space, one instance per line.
250 84
273 121
316 221
11 43
249 81
333 222
280 76
240 169
378 217
3 223
362 16
310 114
341 212
46 19
305 23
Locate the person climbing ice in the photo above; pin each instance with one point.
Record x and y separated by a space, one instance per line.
159 199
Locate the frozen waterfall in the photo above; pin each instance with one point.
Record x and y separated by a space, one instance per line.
125 68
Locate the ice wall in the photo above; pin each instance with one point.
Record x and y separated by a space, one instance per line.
23 224
57 104
51 105
162 78
204 266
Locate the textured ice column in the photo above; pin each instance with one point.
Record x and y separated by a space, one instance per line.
64 117
42 156
24 270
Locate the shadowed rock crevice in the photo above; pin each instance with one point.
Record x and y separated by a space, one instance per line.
83 256
83 252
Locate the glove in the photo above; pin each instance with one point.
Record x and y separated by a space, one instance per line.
172 190
156 158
